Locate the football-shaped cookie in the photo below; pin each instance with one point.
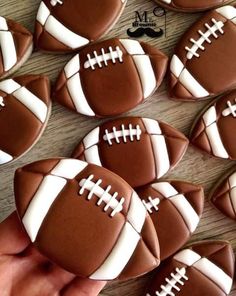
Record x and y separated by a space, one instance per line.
86 219
111 77
16 45
223 196
24 111
140 150
190 5
214 130
203 269
175 208
204 62
66 25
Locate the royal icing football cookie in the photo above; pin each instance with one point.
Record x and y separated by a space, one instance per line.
203 269
16 45
66 25
86 219
204 62
223 196
175 208
190 5
212 133
140 150
111 77
24 111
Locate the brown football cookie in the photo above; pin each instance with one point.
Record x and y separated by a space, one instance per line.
66 25
223 196
140 150
16 46
212 131
175 208
190 5
204 61
110 77
86 219
25 107
202 269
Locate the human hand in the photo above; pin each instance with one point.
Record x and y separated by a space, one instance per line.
25 272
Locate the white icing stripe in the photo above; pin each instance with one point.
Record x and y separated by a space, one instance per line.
215 274
78 97
133 47
3 24
233 197
69 168
26 97
43 14
63 34
206 267
191 84
72 67
152 126
184 207
189 215
92 155
119 256
187 257
9 86
5 157
176 66
215 141
232 180
8 50
160 154
40 204
165 189
167 1
146 74
92 138
137 212
227 11
210 116
33 103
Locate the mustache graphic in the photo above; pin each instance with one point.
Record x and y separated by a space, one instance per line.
145 31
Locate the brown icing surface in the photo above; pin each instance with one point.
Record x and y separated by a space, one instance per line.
85 18
21 126
134 160
76 233
217 57
221 197
219 253
113 89
192 5
170 226
23 39
225 125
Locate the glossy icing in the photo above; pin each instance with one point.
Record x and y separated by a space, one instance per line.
196 70
118 144
90 82
70 204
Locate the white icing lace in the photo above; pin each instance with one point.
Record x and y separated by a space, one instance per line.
176 278
55 2
2 104
103 58
103 195
230 110
130 133
153 203
198 44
